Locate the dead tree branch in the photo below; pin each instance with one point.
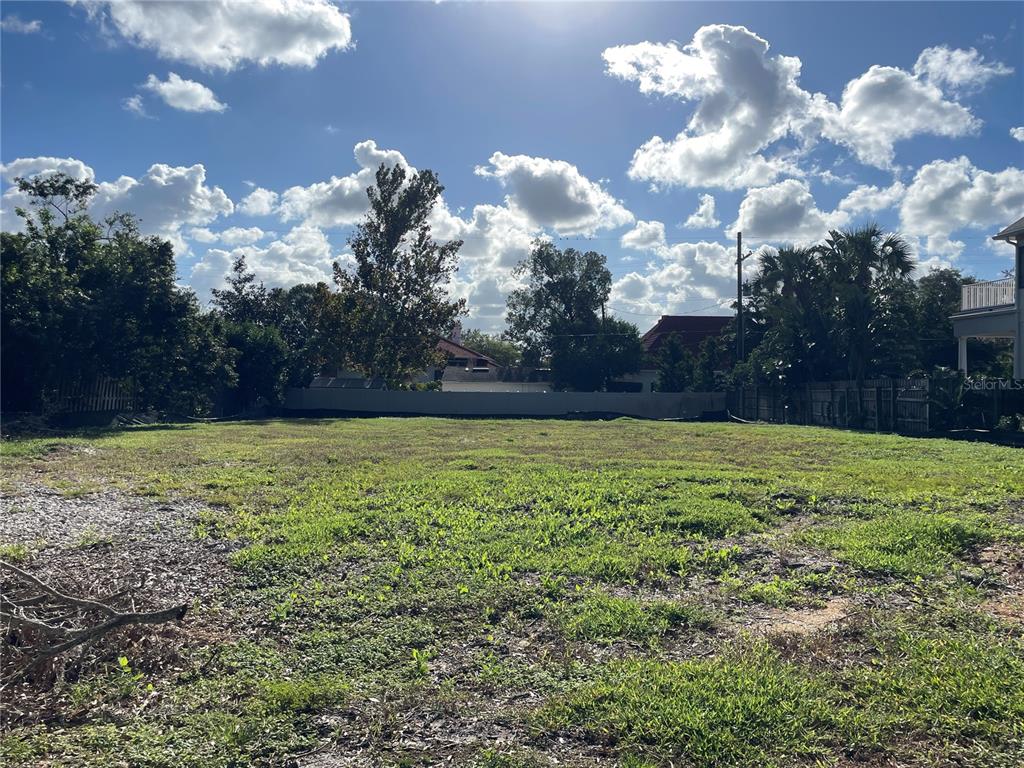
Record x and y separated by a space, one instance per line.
42 626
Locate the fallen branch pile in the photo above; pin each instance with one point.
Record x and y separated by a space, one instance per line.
41 622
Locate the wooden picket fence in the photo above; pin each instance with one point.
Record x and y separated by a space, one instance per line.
101 395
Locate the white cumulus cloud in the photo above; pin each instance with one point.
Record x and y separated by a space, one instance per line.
747 100
888 104
46 166
784 213
229 236
870 199
674 282
704 216
960 70
753 121
553 193
341 200
1017 133
303 255
948 195
165 199
678 277
186 95
225 34
645 236
259 202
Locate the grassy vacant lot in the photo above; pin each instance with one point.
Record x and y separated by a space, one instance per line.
532 593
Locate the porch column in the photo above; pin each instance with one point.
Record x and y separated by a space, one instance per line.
1018 339
962 353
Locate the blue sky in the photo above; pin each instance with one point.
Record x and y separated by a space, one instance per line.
780 119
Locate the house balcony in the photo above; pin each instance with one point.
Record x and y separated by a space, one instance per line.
995 310
993 294
989 311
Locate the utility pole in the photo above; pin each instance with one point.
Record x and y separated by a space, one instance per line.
604 351
740 351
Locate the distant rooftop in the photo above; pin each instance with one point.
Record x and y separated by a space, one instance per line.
691 330
454 349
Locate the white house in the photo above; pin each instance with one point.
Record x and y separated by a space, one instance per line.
995 310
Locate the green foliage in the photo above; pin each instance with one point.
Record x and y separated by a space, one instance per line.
314 694
14 553
745 708
504 352
675 366
906 543
397 296
80 301
953 685
961 693
260 363
603 617
589 360
556 316
847 309
780 592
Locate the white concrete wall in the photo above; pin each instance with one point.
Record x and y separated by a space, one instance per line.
657 405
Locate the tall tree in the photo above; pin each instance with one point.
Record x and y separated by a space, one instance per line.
245 300
260 351
937 298
854 260
560 316
84 299
789 300
397 296
895 343
312 321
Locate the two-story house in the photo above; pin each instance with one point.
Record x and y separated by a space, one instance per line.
995 309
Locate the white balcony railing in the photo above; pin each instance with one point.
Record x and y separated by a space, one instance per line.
995 293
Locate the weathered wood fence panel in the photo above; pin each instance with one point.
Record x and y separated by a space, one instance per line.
99 395
883 405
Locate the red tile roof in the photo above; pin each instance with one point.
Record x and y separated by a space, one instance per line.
691 330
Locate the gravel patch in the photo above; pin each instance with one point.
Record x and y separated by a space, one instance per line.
96 542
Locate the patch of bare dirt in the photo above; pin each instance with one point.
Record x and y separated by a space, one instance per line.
798 621
1004 561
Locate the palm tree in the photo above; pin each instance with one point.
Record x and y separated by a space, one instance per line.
854 260
789 283
858 256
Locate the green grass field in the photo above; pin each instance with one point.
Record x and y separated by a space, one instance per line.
533 593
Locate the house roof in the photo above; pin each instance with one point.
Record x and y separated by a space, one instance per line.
1014 230
457 350
691 330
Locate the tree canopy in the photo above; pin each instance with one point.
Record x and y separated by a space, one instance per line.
560 316
396 298
83 300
